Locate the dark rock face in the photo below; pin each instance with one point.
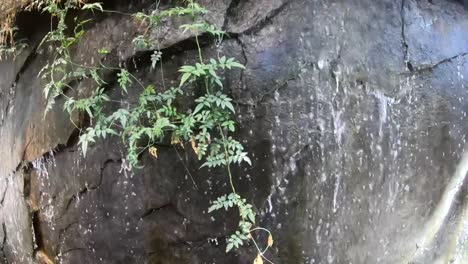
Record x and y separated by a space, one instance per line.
354 113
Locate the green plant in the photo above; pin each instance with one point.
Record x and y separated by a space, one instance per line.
6 50
61 70
8 45
155 117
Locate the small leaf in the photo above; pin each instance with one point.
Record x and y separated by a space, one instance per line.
84 145
247 159
198 108
194 146
222 60
230 106
229 247
270 241
103 51
187 68
237 65
218 82
153 151
251 217
212 208
231 127
97 6
155 57
185 77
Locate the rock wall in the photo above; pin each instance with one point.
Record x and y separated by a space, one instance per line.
354 112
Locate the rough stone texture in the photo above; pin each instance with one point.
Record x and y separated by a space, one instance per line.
441 38
354 113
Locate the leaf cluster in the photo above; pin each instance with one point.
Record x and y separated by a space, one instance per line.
156 115
246 214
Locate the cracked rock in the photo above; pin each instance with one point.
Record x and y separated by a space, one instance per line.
354 114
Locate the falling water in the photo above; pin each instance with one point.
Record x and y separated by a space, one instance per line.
384 102
339 128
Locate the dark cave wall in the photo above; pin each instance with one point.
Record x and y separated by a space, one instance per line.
354 113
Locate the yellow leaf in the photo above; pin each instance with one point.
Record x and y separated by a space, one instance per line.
153 151
270 241
174 139
194 146
258 260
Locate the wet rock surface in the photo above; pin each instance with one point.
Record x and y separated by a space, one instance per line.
354 113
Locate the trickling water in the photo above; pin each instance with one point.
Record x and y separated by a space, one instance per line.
339 128
41 166
384 103
270 205
362 183
52 157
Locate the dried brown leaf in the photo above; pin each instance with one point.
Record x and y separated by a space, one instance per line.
258 259
153 151
270 240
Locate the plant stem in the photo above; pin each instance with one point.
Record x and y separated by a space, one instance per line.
260 251
226 153
200 56
227 159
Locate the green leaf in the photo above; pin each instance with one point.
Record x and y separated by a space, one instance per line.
247 159
212 208
184 78
231 127
251 217
198 108
218 82
96 6
237 65
222 60
103 51
187 68
124 79
213 73
84 146
155 57
229 247
230 106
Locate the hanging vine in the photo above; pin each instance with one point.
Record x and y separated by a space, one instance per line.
155 117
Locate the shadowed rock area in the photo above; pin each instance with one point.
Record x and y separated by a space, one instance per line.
354 112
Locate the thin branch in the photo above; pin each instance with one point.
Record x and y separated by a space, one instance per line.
186 168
